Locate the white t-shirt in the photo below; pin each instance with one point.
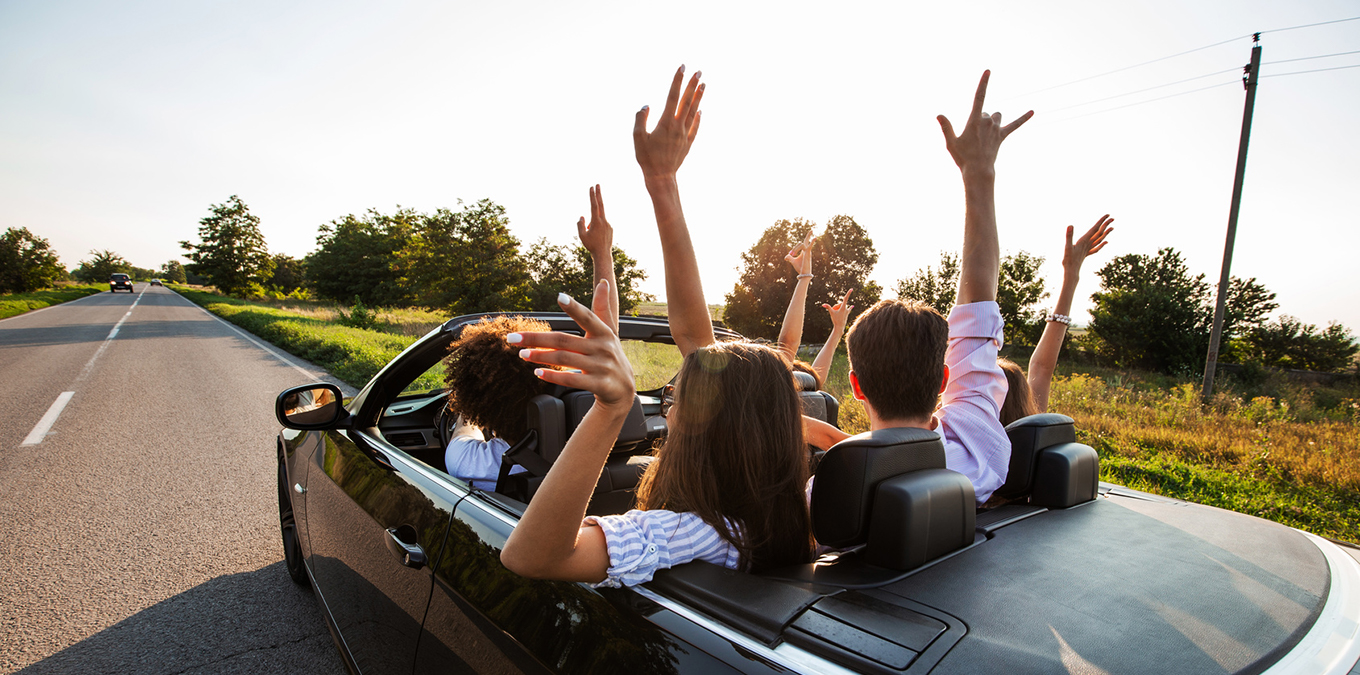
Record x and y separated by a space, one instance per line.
477 462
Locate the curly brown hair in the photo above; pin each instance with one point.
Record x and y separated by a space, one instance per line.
488 383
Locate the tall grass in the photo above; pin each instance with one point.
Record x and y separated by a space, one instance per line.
14 304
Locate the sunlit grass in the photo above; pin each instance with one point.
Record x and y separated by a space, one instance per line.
14 304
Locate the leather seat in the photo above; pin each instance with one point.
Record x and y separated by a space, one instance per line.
817 404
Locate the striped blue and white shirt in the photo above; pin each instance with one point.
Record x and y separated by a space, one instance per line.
642 542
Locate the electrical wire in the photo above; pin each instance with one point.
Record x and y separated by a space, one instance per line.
1140 91
1151 100
1137 65
1191 51
1310 25
1315 70
1310 58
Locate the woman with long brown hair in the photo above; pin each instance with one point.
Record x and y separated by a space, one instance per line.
727 486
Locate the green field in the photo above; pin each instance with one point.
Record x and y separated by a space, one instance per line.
1290 454
13 304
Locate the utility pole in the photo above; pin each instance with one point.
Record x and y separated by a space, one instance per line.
1220 307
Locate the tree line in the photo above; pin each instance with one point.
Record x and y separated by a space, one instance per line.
1149 313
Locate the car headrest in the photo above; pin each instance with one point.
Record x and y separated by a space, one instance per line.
850 472
1029 436
1048 467
805 381
820 405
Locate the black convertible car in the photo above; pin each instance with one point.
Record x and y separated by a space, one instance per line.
1069 576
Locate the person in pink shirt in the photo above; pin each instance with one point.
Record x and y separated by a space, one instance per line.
913 368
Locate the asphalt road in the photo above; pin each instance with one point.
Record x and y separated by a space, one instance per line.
140 534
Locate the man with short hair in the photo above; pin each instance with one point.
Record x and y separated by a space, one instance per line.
905 357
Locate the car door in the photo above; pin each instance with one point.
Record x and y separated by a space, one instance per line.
372 513
484 618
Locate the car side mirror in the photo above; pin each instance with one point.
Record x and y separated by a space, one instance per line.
309 407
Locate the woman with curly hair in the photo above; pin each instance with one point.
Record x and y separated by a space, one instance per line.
490 386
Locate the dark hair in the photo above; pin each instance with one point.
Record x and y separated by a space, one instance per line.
734 454
896 351
488 383
1019 399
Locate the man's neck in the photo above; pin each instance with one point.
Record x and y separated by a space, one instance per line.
876 422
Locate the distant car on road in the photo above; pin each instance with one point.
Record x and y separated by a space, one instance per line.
1071 575
117 281
156 282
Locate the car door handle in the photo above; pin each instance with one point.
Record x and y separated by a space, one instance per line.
411 555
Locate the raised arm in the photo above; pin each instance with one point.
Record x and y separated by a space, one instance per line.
839 314
598 238
549 541
791 332
974 151
1045 358
660 154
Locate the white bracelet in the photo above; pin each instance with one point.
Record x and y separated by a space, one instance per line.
1060 318
805 276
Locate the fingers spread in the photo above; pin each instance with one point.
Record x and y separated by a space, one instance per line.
694 129
546 340
694 105
687 101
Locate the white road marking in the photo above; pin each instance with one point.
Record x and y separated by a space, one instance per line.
85 372
45 424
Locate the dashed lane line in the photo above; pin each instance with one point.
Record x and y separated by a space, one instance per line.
49 418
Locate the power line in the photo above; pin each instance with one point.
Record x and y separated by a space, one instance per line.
1140 91
1151 100
1310 58
1309 25
1191 51
1316 70
1137 65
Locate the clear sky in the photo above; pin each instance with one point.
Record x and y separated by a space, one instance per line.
120 123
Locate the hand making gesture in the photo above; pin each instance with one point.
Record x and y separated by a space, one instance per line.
549 541
661 152
975 149
801 255
840 314
598 238
1089 244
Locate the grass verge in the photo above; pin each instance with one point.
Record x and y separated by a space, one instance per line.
351 354
14 304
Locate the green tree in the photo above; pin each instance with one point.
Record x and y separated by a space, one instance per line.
98 268
1290 343
27 262
231 254
1019 290
173 272
288 273
843 258
569 269
1150 314
936 287
360 256
466 261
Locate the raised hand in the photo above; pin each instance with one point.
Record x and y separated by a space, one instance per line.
801 255
598 236
1088 244
598 356
661 152
840 313
975 149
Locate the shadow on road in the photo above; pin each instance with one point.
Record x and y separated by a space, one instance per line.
251 622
